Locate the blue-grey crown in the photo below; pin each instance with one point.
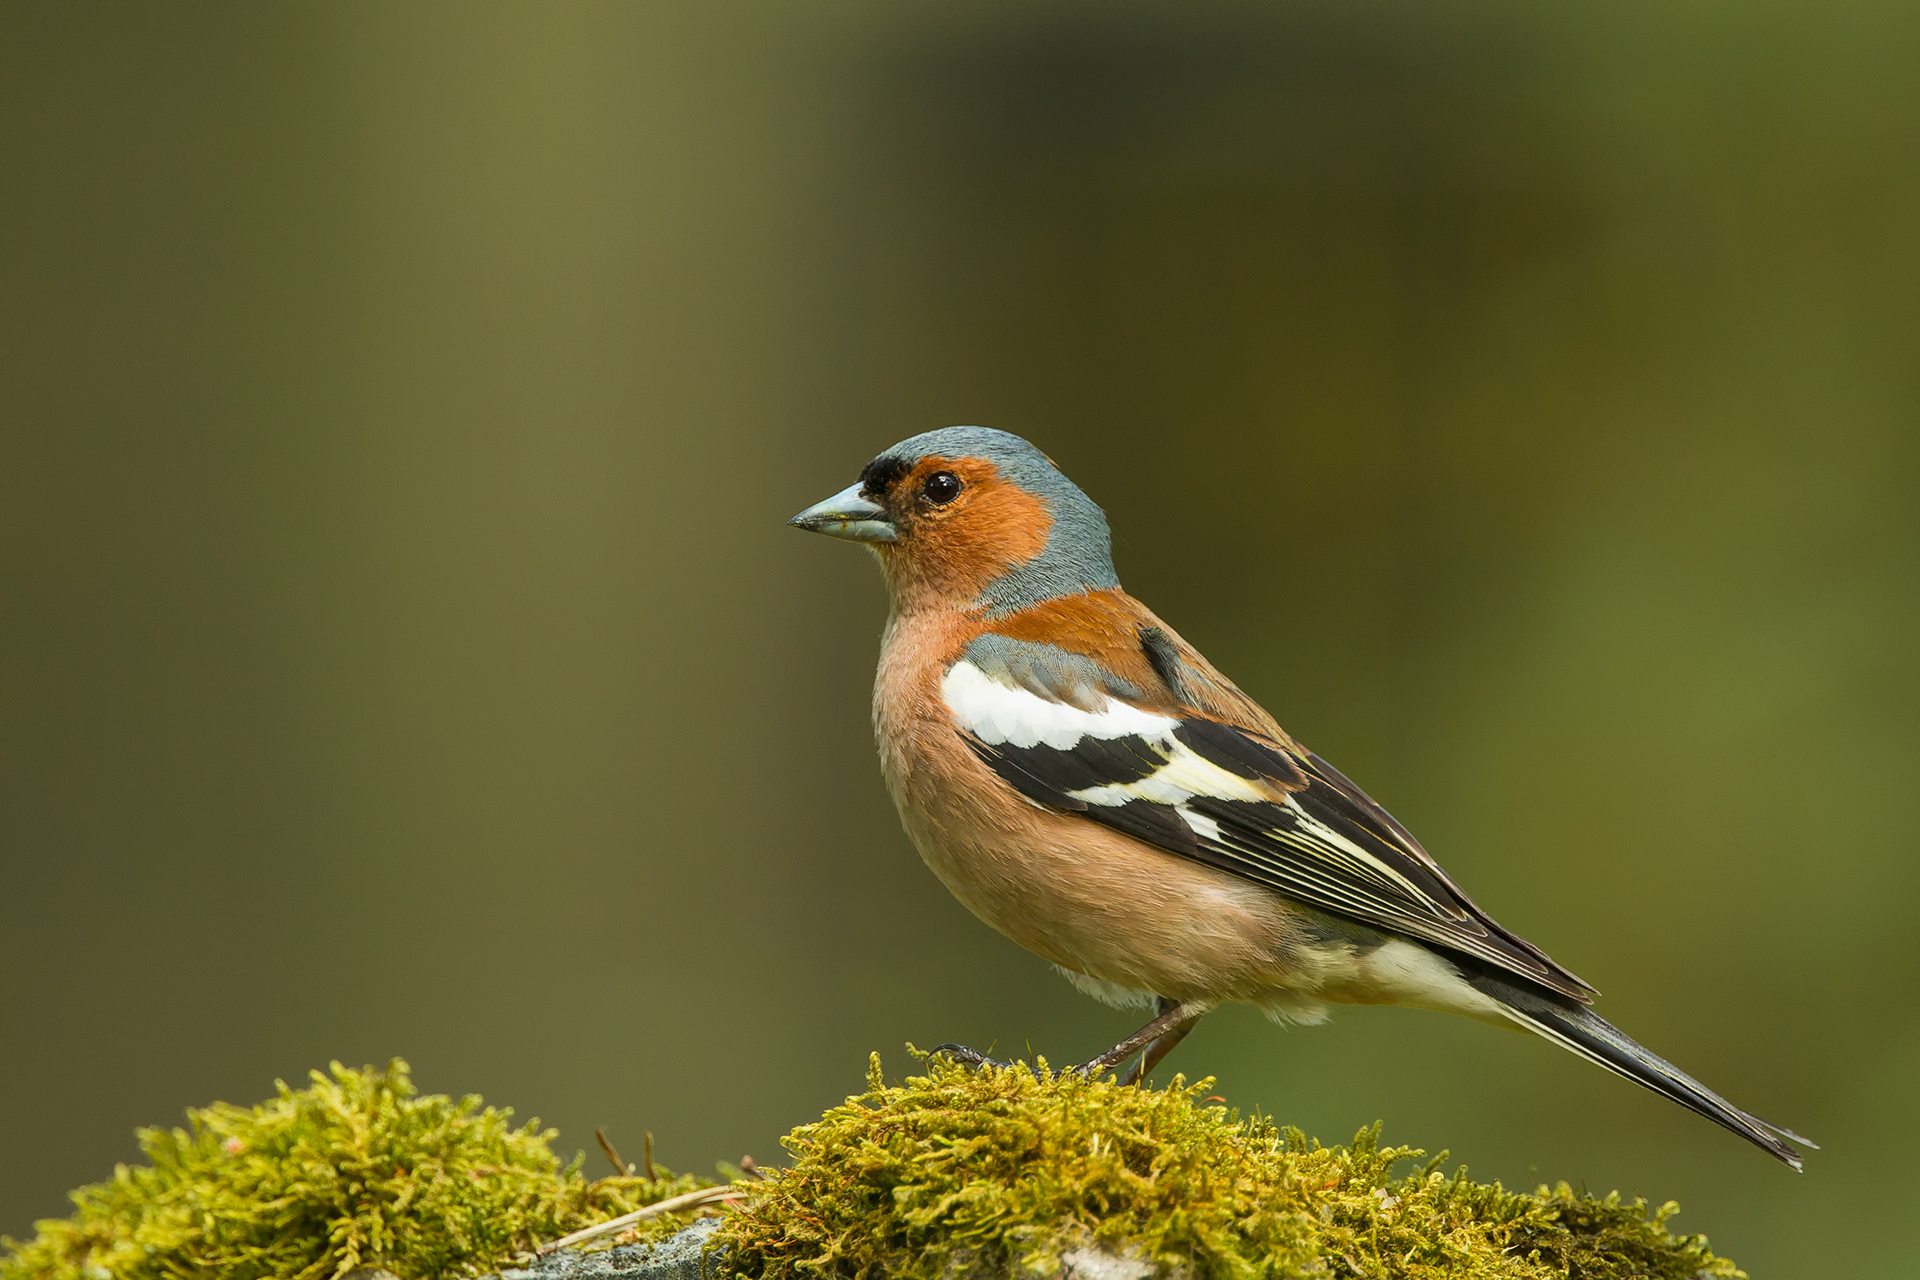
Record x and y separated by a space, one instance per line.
1078 556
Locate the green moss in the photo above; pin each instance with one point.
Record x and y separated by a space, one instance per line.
355 1171
996 1168
917 1180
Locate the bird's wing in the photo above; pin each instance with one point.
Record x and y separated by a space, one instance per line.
1152 748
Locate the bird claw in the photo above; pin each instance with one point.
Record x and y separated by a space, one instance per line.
971 1057
966 1054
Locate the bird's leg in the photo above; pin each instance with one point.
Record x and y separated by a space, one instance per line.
1162 1045
1180 1017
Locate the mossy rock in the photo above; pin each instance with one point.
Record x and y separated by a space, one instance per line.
956 1173
1009 1172
355 1171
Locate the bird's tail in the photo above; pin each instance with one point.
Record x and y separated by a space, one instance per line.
1576 1027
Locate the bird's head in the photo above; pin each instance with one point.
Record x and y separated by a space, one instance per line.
971 517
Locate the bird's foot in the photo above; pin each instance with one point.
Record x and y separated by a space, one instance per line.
1154 1041
966 1055
971 1057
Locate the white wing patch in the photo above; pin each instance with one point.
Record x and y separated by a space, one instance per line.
1203 826
1184 776
1001 715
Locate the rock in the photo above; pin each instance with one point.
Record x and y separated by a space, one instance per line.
1098 1264
684 1257
678 1257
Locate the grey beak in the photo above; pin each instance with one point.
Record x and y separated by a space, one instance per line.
848 515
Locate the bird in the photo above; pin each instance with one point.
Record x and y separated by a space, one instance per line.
1084 781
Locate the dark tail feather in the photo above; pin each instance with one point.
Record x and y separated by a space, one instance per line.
1576 1027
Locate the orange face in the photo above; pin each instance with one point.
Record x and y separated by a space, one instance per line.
960 525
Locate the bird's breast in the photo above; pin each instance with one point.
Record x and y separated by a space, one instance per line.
1086 897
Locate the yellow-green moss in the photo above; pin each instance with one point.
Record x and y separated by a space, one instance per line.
355 1171
997 1168
917 1180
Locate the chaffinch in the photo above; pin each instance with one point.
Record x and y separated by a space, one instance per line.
1091 786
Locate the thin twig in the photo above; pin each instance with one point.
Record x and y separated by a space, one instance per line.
646 1159
748 1167
620 1167
673 1204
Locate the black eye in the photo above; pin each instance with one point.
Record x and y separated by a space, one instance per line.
941 488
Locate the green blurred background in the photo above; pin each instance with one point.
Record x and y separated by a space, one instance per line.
403 653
